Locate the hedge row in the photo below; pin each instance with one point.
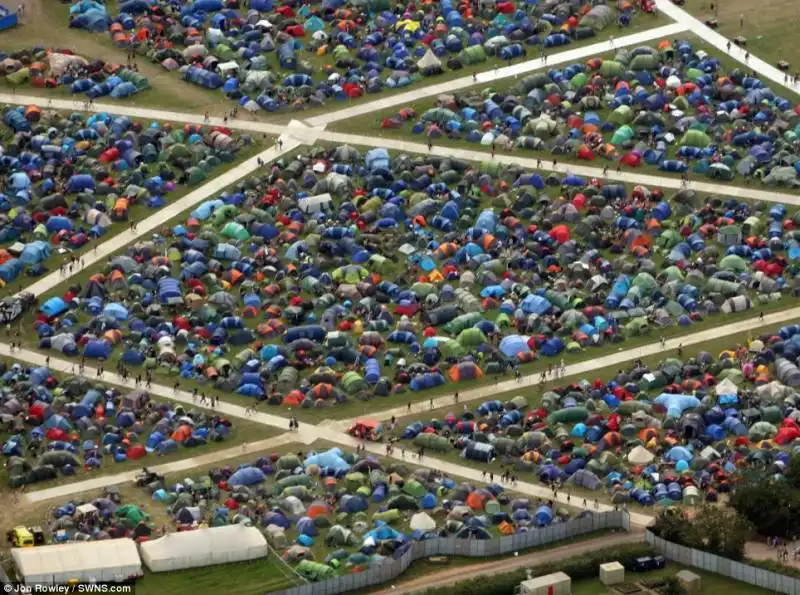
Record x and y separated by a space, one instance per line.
582 567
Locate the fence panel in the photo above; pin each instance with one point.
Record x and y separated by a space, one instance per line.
450 546
752 575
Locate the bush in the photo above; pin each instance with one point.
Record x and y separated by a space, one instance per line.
712 530
582 567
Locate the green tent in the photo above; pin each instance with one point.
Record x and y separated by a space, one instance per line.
472 55
464 321
352 382
695 138
579 80
314 571
622 115
622 135
131 515
414 488
235 231
611 68
644 62
570 415
472 337
734 263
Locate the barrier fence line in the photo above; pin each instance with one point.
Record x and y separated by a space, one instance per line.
752 575
473 548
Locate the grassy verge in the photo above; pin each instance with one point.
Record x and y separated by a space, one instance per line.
766 25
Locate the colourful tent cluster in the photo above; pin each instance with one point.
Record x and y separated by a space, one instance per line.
683 431
330 512
61 428
68 180
51 68
276 56
411 272
99 519
672 107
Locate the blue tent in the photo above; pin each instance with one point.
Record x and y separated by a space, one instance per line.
247 476
53 307
535 304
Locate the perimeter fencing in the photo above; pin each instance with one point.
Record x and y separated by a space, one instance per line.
752 575
472 548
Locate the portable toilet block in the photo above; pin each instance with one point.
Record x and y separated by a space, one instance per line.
557 583
612 573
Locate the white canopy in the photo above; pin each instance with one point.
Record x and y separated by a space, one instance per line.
204 547
110 560
640 455
429 60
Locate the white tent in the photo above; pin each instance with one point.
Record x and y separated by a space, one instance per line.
204 547
429 60
726 387
422 521
640 455
314 204
111 560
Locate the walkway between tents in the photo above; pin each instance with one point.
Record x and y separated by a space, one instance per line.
333 432
630 176
585 367
217 457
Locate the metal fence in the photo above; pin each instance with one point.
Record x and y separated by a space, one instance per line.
450 546
752 575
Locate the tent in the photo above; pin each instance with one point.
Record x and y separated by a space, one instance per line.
204 547
107 561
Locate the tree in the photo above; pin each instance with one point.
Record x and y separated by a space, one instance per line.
712 529
771 506
720 532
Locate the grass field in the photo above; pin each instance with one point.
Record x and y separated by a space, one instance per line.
768 26
713 584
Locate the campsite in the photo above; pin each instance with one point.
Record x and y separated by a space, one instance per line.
60 67
669 108
324 512
275 57
520 279
63 429
341 275
71 181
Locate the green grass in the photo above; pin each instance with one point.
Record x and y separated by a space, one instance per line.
713 584
768 26
240 578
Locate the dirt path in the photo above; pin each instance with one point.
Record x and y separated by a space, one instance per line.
450 576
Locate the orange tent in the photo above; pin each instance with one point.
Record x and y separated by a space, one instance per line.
181 433
476 501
